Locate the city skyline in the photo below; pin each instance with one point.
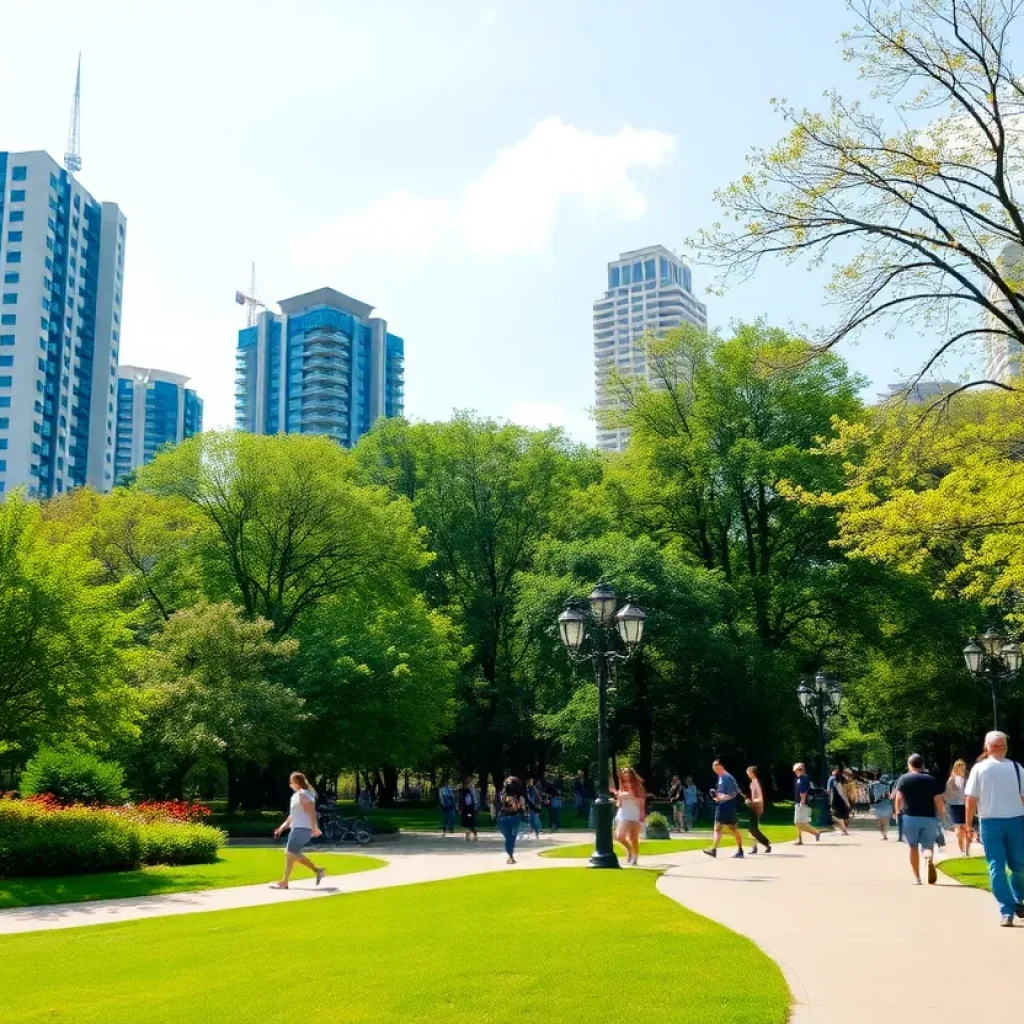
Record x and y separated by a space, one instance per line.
389 183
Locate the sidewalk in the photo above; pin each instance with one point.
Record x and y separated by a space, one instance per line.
856 939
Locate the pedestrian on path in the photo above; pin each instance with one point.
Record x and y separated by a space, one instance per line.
446 798
839 802
691 800
555 807
995 789
956 800
756 805
801 808
726 795
630 798
881 806
675 796
511 808
467 809
301 826
534 802
919 798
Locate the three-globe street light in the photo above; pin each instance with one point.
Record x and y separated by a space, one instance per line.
995 658
598 621
821 699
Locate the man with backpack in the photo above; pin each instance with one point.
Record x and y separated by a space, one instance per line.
995 790
446 798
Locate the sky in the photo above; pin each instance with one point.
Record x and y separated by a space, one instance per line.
468 167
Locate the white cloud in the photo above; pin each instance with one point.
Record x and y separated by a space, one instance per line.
512 206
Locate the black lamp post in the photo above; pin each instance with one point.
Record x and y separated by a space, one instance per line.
820 699
995 658
599 622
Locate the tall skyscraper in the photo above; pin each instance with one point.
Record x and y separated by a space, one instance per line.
1004 357
649 290
323 365
154 408
62 264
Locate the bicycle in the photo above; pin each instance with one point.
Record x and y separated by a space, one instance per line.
347 830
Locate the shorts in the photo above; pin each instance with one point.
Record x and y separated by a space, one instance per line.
919 831
801 814
957 814
679 806
882 810
298 838
725 814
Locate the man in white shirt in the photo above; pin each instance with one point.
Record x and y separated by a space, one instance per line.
995 790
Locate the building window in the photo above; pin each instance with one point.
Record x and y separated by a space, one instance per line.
649 270
6 339
613 277
8 319
5 382
17 195
6 360
10 298
4 422
14 236
5 401
17 215
627 275
19 173
14 257
12 277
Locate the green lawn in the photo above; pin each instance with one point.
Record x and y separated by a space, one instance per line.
652 847
406 955
234 867
971 871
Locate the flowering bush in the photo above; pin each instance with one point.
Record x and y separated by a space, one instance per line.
41 836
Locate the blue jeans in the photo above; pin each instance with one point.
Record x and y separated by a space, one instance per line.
447 819
509 828
1003 840
535 822
555 816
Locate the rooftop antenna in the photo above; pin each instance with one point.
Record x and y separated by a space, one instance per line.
250 301
72 158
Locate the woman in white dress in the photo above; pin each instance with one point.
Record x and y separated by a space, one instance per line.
631 798
955 800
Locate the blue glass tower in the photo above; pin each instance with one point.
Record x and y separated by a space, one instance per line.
154 409
323 365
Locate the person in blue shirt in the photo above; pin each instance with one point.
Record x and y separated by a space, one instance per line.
801 808
726 796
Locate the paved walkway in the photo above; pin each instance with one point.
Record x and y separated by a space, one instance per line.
855 938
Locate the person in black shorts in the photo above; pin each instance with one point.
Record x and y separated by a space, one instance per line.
726 795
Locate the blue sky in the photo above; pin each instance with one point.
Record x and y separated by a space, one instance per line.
467 166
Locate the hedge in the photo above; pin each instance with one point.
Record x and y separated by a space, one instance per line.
40 839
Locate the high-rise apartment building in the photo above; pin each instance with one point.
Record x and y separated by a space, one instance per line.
323 365
1004 356
649 291
154 409
62 267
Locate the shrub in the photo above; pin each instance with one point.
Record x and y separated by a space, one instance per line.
36 839
657 826
73 776
178 842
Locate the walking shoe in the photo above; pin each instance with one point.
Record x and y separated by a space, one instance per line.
1019 910
817 837
753 849
711 853
933 875
738 855
768 850
1006 921
320 872
917 881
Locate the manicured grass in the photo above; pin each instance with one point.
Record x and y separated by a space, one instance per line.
266 963
972 871
652 847
233 867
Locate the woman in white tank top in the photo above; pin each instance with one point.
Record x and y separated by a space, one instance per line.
301 826
631 798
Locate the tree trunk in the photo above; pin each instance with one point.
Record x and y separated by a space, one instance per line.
387 797
644 725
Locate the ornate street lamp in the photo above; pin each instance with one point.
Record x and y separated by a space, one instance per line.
821 699
994 658
590 631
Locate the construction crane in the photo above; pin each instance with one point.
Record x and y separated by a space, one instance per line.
250 301
72 158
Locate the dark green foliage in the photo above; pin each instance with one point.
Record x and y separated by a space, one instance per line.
73 776
179 842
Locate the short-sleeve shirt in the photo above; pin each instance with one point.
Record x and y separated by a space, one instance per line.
727 786
997 787
801 786
919 791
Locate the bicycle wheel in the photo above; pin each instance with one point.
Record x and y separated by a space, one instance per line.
363 831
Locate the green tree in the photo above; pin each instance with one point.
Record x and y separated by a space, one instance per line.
285 524
62 639
912 199
212 685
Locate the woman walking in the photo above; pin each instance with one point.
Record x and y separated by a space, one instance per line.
690 800
467 809
881 806
630 798
838 800
511 808
955 800
756 805
301 826
675 796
